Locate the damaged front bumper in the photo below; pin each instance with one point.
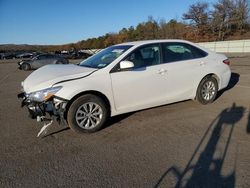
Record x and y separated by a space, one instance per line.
53 109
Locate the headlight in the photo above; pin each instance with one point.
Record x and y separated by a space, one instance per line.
44 95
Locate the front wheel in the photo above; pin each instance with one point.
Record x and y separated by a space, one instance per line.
207 90
87 114
25 66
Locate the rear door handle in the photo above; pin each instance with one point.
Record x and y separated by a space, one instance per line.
162 71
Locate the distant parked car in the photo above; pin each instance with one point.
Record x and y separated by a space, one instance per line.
80 55
41 60
8 56
25 55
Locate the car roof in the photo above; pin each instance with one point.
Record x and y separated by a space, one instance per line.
144 42
137 43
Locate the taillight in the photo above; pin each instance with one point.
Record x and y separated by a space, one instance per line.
226 61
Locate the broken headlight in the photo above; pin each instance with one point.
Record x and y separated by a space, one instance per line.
44 95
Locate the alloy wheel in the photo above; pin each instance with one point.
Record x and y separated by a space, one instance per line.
89 115
208 90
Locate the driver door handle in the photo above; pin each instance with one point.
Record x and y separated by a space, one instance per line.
202 63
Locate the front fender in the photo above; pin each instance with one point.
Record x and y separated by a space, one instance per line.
99 84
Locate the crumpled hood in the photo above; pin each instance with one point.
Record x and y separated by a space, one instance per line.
48 75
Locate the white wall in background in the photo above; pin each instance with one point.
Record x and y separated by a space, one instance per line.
235 46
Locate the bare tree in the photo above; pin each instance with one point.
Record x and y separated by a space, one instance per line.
229 16
222 18
241 14
198 14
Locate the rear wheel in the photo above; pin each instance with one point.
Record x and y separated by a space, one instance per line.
87 114
207 90
25 66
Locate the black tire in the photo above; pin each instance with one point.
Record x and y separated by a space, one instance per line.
25 66
59 62
77 110
207 90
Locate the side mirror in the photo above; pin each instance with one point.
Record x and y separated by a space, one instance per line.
126 65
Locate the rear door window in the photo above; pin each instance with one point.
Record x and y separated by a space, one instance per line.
173 52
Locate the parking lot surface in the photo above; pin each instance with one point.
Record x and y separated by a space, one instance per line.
179 145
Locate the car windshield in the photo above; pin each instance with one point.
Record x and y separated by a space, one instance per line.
105 57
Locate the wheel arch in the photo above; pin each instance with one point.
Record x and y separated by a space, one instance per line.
211 75
92 92
216 77
207 75
209 97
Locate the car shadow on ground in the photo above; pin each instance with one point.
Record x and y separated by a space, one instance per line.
207 171
110 122
117 119
235 77
248 123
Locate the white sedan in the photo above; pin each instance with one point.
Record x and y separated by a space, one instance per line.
124 78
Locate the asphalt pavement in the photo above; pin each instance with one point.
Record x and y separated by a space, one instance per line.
179 145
